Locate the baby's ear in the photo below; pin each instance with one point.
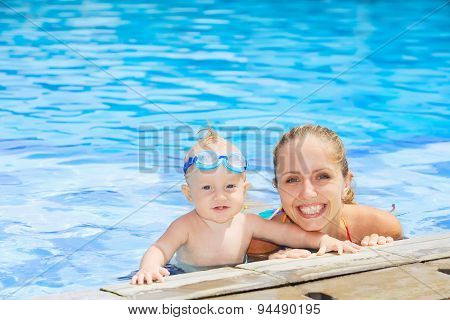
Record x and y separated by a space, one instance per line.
246 185
187 192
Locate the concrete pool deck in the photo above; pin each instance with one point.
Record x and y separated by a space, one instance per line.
416 268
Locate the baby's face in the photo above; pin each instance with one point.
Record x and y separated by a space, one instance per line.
218 195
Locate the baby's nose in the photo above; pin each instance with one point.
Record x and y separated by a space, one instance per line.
219 196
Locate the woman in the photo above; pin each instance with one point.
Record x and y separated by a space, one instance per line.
314 183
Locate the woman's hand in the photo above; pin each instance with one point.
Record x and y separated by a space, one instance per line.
290 253
328 243
156 273
375 239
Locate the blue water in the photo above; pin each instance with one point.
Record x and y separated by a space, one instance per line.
99 100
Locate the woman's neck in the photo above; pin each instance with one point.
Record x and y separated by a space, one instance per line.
334 227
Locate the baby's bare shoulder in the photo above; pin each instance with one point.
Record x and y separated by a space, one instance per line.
255 223
250 217
185 220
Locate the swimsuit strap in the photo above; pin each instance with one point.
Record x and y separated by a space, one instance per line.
275 212
284 218
349 237
280 211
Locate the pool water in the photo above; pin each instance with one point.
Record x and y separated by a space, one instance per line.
99 100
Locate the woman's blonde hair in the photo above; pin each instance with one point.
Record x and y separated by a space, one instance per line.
325 134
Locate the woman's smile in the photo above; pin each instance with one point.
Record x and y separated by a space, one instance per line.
311 211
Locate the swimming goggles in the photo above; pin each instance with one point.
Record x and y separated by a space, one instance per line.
209 160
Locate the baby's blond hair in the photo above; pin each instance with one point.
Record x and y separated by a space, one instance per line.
208 136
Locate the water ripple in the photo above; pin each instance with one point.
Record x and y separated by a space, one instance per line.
89 197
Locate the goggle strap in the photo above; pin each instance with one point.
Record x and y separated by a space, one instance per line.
189 163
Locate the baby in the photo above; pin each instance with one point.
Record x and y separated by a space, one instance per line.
216 232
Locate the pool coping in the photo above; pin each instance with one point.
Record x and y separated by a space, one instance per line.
404 261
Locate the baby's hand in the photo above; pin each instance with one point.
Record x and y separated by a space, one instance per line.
290 253
328 243
375 239
148 275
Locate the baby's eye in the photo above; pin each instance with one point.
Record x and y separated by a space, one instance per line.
231 186
206 188
292 180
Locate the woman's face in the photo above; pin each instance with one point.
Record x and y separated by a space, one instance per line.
310 183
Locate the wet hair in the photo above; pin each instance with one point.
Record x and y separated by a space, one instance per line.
326 135
207 136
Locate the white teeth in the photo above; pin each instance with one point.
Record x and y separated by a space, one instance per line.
311 209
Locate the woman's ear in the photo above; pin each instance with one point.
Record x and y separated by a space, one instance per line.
274 183
187 192
348 179
347 183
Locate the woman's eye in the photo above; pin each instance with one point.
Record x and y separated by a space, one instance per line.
206 188
323 176
292 180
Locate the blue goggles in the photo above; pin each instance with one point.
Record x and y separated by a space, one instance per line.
209 160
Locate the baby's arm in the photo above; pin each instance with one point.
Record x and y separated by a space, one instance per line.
160 253
151 267
295 237
373 226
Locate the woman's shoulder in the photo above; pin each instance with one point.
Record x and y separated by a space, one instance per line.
364 220
358 211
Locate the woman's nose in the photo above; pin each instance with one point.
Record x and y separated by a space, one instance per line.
308 190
